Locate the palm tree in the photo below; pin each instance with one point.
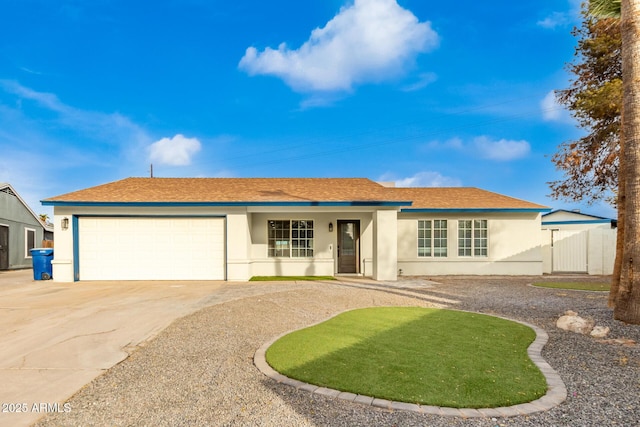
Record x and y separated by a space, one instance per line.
625 295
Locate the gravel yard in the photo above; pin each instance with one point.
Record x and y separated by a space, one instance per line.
200 370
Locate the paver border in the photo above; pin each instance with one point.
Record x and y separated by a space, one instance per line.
556 389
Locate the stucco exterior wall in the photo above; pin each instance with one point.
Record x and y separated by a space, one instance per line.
388 241
246 239
385 245
513 246
324 261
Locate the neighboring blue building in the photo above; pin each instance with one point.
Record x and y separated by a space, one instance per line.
20 230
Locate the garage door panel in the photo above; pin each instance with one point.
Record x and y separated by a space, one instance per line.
151 248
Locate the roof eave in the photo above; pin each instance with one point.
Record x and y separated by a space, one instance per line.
227 204
473 210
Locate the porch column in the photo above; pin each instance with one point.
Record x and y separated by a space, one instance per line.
385 245
237 247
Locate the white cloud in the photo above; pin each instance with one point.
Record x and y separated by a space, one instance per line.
422 179
562 19
112 128
556 19
368 41
176 151
501 150
424 80
551 110
454 143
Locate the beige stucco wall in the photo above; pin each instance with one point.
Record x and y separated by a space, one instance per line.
246 238
513 246
385 245
324 262
388 241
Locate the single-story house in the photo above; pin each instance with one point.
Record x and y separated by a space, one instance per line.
576 242
236 228
20 230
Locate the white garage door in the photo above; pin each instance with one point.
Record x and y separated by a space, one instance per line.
151 248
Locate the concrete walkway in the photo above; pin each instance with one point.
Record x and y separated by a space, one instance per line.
57 337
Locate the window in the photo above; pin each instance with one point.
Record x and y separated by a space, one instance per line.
432 238
29 240
472 238
290 238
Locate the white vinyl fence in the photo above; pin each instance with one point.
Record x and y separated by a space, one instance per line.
590 251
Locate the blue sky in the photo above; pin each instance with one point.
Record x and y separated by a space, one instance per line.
419 92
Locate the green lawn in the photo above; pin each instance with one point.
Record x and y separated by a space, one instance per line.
416 355
580 286
288 278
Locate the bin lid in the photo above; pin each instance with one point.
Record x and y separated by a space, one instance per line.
41 251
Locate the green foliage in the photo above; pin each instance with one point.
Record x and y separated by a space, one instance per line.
288 278
416 355
605 8
590 164
580 286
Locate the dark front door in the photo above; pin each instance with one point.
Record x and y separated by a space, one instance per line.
4 247
348 246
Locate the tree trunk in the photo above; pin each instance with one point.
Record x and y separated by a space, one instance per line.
621 200
627 307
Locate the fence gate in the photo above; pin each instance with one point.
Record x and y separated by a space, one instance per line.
569 251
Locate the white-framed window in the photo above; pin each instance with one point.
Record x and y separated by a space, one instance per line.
29 241
473 238
290 238
432 238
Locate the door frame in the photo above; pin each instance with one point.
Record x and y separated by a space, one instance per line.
5 249
357 260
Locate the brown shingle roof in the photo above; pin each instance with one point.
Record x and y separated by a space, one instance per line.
231 190
238 190
461 198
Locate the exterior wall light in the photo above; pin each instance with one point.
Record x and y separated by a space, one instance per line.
330 227
64 223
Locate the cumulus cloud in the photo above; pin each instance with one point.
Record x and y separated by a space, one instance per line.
367 41
176 151
422 179
501 150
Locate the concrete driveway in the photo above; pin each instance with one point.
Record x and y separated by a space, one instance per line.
57 337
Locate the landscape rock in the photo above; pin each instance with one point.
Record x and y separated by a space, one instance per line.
570 321
600 331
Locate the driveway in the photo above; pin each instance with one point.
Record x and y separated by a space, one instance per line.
57 337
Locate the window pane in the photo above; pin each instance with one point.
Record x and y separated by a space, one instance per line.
278 238
424 238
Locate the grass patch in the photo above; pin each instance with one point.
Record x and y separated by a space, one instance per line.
416 355
579 286
288 278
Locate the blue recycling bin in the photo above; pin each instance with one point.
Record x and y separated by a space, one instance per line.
42 268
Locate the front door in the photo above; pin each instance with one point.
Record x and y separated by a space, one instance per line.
348 246
4 247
